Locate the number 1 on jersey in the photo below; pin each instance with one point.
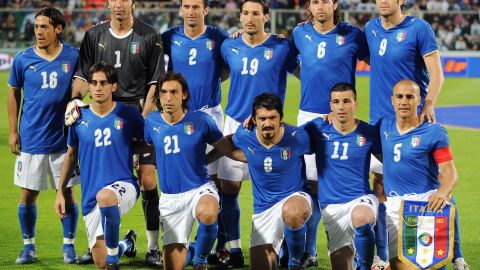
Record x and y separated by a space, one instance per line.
344 155
117 60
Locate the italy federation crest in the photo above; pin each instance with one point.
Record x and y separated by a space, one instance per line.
340 40
415 141
134 47
188 128
210 45
401 36
425 238
66 67
361 140
268 54
118 123
285 153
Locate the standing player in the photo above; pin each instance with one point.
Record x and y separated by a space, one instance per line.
343 150
417 160
135 50
194 50
180 137
403 47
258 62
102 140
281 206
45 73
324 40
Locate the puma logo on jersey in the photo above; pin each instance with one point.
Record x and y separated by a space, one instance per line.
374 33
83 122
326 135
386 134
294 132
308 37
101 45
34 67
156 129
158 44
251 150
235 51
179 43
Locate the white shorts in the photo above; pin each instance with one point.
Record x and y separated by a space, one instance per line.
338 221
311 167
126 201
375 165
393 209
177 213
229 169
32 171
217 115
268 226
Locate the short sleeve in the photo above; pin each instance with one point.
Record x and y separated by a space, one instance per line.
376 143
224 51
303 142
213 133
72 139
16 75
440 137
156 66
138 124
426 38
239 137
291 63
361 41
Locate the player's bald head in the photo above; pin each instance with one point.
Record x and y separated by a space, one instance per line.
406 85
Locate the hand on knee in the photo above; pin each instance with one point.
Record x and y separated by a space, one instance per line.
106 197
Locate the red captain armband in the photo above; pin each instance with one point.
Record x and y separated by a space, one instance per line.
443 155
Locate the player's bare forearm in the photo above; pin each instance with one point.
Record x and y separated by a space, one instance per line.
378 189
13 102
149 105
226 147
67 168
448 179
434 67
79 88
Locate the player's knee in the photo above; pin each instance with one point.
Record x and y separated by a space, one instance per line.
231 187
147 177
207 210
29 197
294 215
106 197
362 215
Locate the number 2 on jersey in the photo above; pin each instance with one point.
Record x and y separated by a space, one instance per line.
102 138
192 60
168 140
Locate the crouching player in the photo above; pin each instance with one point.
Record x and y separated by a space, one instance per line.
281 206
343 150
180 137
417 161
102 140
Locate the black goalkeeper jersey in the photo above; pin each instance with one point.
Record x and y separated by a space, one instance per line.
137 56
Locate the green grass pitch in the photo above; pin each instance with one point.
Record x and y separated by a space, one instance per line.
465 144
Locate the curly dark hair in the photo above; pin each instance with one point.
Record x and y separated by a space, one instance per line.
56 18
337 13
171 76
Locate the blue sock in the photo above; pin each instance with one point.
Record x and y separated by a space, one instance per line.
221 236
381 233
457 248
283 253
230 214
124 245
312 226
190 253
27 215
111 227
295 239
206 235
69 225
365 245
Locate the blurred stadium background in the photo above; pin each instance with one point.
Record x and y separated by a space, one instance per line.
457 28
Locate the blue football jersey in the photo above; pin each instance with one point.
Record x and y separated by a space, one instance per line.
46 92
343 160
325 60
180 149
200 62
276 172
256 70
408 162
105 149
397 54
